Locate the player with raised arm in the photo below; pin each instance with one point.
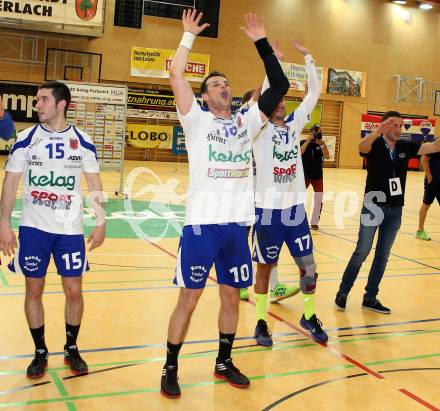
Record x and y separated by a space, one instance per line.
279 200
220 202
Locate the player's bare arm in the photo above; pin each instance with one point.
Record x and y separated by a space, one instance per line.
181 88
8 240
96 197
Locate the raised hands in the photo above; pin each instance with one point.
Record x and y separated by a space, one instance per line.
276 49
191 20
299 47
254 26
388 126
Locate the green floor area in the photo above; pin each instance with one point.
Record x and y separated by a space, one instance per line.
131 219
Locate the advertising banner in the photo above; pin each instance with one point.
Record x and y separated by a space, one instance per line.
99 110
414 129
71 12
151 62
179 147
297 75
94 93
150 99
148 136
20 100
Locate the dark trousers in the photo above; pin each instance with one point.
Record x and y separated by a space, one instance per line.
388 226
318 188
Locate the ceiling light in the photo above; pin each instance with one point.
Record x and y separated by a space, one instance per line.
401 2
425 6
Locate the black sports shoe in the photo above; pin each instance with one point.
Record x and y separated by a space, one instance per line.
229 372
262 334
313 326
375 305
169 387
38 366
341 301
72 358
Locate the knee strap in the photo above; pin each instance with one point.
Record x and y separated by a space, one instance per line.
308 274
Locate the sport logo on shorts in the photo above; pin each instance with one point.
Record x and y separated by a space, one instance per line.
31 263
197 273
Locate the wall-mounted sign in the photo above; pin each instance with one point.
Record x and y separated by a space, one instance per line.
150 62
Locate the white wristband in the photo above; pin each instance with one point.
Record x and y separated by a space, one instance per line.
187 40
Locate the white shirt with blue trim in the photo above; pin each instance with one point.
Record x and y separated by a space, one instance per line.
52 164
220 165
279 171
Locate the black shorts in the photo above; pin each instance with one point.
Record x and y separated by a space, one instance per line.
432 192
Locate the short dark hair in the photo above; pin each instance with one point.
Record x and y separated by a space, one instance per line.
60 91
247 96
389 114
203 86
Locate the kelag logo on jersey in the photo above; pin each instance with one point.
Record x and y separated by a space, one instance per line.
285 155
229 157
67 182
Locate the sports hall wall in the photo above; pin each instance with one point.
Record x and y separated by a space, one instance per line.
369 36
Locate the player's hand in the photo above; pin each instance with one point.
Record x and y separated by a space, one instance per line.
257 94
254 26
2 109
429 179
276 49
299 47
8 240
191 20
386 126
97 237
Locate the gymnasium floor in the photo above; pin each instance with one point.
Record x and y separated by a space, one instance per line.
371 362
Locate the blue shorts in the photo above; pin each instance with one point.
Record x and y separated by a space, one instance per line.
36 246
273 227
225 245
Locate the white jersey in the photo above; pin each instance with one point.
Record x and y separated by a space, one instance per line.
279 171
220 165
52 163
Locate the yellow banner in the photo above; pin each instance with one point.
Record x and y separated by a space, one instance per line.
150 62
147 136
315 116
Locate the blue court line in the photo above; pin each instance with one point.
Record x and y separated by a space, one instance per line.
215 340
112 290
